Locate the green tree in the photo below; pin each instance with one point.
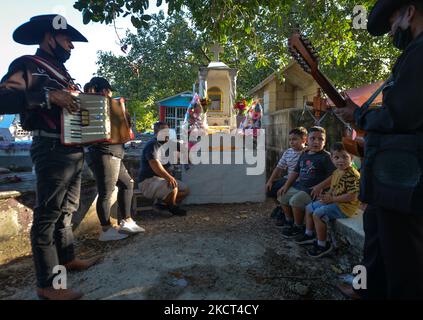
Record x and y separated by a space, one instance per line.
349 57
164 60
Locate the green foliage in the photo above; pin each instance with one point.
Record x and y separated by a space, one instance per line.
257 32
145 115
164 60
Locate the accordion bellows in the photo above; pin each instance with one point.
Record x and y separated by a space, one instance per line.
100 119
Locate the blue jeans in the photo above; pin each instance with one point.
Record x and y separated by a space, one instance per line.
326 212
58 170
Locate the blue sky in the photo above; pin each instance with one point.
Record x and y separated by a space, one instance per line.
81 65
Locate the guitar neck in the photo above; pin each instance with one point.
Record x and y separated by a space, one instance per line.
328 88
302 50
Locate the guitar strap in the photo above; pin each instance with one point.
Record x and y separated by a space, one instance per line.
372 98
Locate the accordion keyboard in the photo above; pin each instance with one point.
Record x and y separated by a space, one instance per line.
91 124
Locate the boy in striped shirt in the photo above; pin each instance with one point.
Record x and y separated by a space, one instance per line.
286 164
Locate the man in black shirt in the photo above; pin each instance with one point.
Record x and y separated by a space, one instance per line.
391 175
155 180
35 87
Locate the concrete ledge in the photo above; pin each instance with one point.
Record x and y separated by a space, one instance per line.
352 230
223 184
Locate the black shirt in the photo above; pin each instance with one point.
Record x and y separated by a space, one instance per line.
402 104
25 94
151 151
313 169
401 111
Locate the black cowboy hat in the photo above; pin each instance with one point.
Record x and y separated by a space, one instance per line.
33 31
378 22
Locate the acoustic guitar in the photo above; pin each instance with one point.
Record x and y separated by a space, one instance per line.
306 56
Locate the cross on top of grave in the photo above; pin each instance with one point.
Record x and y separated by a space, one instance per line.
216 49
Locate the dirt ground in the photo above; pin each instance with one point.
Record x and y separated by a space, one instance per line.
215 252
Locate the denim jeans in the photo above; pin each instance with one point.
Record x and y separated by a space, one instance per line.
58 169
109 171
326 212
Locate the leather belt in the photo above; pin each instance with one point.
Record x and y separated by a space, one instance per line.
42 133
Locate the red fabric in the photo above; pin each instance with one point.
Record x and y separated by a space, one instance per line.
162 114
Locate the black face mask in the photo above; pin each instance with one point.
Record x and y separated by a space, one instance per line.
402 38
60 53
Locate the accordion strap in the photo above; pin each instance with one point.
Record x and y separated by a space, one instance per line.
54 72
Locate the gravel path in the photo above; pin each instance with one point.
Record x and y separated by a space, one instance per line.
216 252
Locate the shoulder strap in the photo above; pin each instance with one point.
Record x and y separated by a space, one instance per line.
367 104
52 70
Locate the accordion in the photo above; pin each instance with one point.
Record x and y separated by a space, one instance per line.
100 119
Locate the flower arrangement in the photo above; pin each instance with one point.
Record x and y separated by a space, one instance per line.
205 103
195 123
195 117
253 117
241 106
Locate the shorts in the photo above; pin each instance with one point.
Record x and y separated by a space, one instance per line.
273 193
295 198
326 212
158 188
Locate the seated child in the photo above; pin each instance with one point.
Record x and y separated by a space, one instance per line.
286 164
340 202
314 167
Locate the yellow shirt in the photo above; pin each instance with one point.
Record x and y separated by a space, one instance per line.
344 182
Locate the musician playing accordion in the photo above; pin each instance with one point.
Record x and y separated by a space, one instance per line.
34 87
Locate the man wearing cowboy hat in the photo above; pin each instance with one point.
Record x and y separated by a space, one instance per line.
34 87
392 179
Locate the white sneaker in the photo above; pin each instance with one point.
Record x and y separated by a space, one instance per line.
130 227
112 234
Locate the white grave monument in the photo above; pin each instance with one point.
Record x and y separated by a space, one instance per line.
217 81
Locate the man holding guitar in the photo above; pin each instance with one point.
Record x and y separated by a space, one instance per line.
391 182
